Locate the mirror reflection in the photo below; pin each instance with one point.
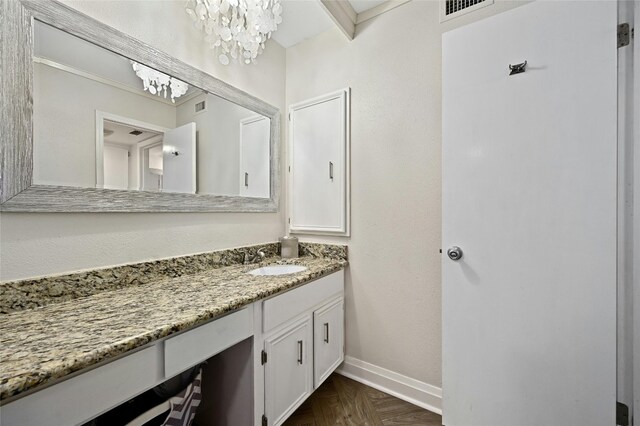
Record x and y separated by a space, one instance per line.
104 121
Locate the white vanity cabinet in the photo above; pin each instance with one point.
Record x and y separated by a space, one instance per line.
272 353
303 344
319 165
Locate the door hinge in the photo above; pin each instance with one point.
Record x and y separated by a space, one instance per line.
624 34
264 420
290 113
622 414
289 220
263 358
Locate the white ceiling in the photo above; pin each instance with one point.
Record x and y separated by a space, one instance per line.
303 19
361 5
122 136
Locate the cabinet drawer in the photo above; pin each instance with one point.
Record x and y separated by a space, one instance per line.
286 306
328 340
188 349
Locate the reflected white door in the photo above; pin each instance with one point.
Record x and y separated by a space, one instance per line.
529 195
255 135
179 159
116 166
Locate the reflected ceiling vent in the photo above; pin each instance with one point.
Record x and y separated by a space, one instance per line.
201 106
135 132
450 9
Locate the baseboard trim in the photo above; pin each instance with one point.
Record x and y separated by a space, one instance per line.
411 390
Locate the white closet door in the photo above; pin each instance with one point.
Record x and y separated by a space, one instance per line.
255 134
529 195
319 165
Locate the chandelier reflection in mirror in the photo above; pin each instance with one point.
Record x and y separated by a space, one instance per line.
236 28
158 83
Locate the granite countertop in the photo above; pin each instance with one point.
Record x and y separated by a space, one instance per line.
42 344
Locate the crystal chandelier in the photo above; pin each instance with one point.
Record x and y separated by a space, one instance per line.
236 28
157 83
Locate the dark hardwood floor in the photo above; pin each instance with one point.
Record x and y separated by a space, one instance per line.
342 401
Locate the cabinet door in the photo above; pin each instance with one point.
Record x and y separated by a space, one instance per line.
288 370
328 340
319 131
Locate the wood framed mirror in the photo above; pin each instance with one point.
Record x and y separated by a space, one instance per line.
57 157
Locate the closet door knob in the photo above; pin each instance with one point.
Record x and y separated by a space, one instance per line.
455 253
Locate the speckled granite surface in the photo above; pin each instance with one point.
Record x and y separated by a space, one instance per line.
40 345
323 250
26 294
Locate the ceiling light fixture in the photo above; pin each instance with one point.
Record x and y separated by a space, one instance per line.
157 83
236 28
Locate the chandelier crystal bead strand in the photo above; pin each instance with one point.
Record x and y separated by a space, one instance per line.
236 29
158 83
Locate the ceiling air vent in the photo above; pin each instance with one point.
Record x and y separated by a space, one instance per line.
450 9
135 132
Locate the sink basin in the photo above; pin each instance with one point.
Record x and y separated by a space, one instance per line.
278 270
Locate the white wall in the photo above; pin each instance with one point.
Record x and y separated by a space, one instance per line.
393 66
40 244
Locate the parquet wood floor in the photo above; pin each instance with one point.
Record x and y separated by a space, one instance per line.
345 402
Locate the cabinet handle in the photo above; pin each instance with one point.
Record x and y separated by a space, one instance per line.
246 179
330 170
299 351
326 332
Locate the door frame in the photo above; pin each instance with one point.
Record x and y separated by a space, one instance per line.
101 116
628 305
635 70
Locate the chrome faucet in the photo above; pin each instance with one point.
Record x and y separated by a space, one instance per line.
259 256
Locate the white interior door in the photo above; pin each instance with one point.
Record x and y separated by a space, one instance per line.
255 135
529 195
179 159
